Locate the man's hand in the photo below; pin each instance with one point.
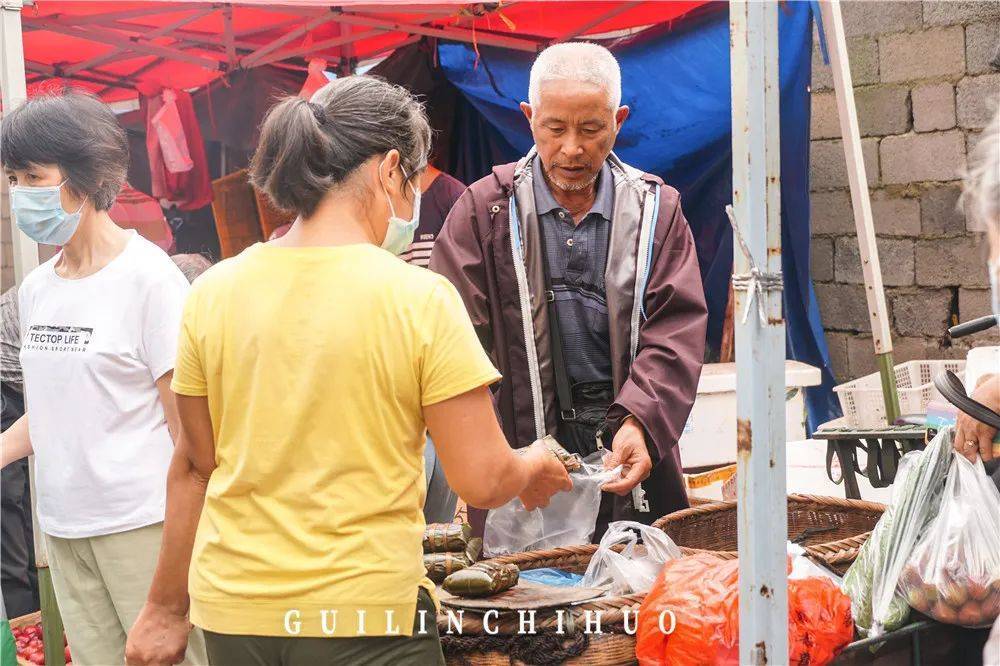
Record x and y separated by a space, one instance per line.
974 437
629 450
158 638
547 476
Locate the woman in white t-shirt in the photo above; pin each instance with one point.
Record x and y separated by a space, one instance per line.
99 325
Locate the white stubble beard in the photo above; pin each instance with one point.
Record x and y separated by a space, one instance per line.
571 187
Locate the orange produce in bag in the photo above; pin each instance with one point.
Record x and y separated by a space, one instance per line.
702 592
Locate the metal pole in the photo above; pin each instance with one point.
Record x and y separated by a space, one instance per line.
14 92
760 345
878 313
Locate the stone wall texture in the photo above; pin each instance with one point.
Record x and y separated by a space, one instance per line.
926 82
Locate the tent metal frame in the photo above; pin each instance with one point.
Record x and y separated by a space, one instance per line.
122 40
229 50
760 352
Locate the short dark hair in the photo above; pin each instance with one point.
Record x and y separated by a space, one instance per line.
192 265
307 148
74 131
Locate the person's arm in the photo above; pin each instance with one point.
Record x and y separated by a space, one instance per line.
16 442
478 462
169 402
663 380
974 437
160 633
455 375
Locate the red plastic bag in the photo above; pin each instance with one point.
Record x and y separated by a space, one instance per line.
702 591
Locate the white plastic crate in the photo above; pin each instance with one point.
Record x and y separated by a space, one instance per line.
862 401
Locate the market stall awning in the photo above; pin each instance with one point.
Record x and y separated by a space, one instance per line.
118 48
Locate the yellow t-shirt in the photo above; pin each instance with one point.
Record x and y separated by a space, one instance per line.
316 363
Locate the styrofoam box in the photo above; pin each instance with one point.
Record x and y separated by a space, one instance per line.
979 362
709 437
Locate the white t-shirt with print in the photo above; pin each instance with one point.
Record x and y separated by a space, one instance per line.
91 352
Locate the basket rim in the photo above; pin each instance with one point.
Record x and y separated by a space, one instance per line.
831 552
837 549
562 553
860 506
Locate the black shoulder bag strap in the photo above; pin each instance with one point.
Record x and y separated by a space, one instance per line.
564 391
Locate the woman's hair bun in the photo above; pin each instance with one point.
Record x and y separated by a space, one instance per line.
308 147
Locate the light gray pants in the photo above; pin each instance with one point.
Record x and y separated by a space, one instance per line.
101 585
439 507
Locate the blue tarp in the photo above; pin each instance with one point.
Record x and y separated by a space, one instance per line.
677 85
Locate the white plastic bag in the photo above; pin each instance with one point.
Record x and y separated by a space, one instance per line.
804 567
903 469
953 574
170 134
568 520
631 570
870 582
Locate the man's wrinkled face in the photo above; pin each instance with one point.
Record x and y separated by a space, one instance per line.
574 128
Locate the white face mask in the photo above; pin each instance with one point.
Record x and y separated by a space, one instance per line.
399 233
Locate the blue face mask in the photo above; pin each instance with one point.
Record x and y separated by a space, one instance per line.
39 214
399 233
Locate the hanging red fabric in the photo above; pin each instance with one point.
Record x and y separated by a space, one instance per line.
316 79
188 190
135 210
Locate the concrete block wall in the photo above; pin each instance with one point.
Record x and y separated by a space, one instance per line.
927 79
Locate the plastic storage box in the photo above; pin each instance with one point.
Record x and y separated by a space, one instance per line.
864 406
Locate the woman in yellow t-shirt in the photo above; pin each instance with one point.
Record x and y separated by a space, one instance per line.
308 371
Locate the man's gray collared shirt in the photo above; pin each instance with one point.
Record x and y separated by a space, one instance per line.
576 256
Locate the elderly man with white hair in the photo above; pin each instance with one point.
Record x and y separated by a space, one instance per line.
580 275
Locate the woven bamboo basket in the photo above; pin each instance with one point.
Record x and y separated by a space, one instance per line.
613 647
830 529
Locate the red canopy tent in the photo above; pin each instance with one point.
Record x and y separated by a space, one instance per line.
118 48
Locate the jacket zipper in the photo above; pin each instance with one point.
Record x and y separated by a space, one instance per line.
650 211
534 375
